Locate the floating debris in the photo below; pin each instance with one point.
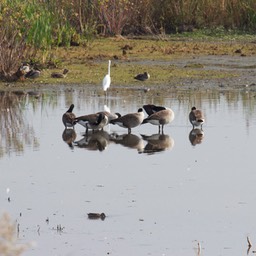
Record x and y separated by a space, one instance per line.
101 216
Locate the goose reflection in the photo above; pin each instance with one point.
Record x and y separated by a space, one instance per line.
97 140
128 140
157 143
196 136
69 136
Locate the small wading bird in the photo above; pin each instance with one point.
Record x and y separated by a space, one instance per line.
93 121
106 80
142 77
196 117
130 120
68 118
60 75
160 118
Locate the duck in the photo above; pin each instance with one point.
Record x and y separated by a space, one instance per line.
60 75
32 74
68 118
93 121
142 77
151 109
160 118
196 117
130 120
93 215
19 74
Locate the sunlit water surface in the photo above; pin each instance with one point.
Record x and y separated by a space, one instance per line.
158 201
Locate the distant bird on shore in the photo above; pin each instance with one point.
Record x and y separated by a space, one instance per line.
60 75
106 80
32 74
196 117
68 118
142 77
129 120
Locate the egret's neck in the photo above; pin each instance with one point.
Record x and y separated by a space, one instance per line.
109 63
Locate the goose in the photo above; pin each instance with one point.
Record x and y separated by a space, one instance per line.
110 116
142 77
151 109
93 121
60 75
196 117
160 118
69 136
130 120
106 80
196 136
128 140
94 141
157 143
68 118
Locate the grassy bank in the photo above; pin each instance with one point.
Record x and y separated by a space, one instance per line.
88 63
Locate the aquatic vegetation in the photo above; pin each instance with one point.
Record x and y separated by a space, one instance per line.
9 245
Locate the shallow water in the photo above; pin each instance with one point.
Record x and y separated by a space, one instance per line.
161 195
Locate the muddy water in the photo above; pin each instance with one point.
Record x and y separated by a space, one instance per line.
162 195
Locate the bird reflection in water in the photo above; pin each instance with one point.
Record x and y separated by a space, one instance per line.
69 136
157 143
196 136
97 140
128 140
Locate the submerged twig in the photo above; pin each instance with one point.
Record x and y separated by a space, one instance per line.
249 242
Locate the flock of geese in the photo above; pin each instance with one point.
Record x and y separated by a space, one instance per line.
95 138
157 115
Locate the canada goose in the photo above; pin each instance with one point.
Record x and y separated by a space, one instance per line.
157 143
160 118
196 117
130 120
92 215
196 136
69 136
94 141
68 118
93 121
60 75
142 77
151 109
128 140
107 79
110 116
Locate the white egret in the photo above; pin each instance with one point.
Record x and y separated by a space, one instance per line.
107 80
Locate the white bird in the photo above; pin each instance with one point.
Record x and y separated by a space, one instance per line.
107 79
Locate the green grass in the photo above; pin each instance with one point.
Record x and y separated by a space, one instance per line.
88 64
